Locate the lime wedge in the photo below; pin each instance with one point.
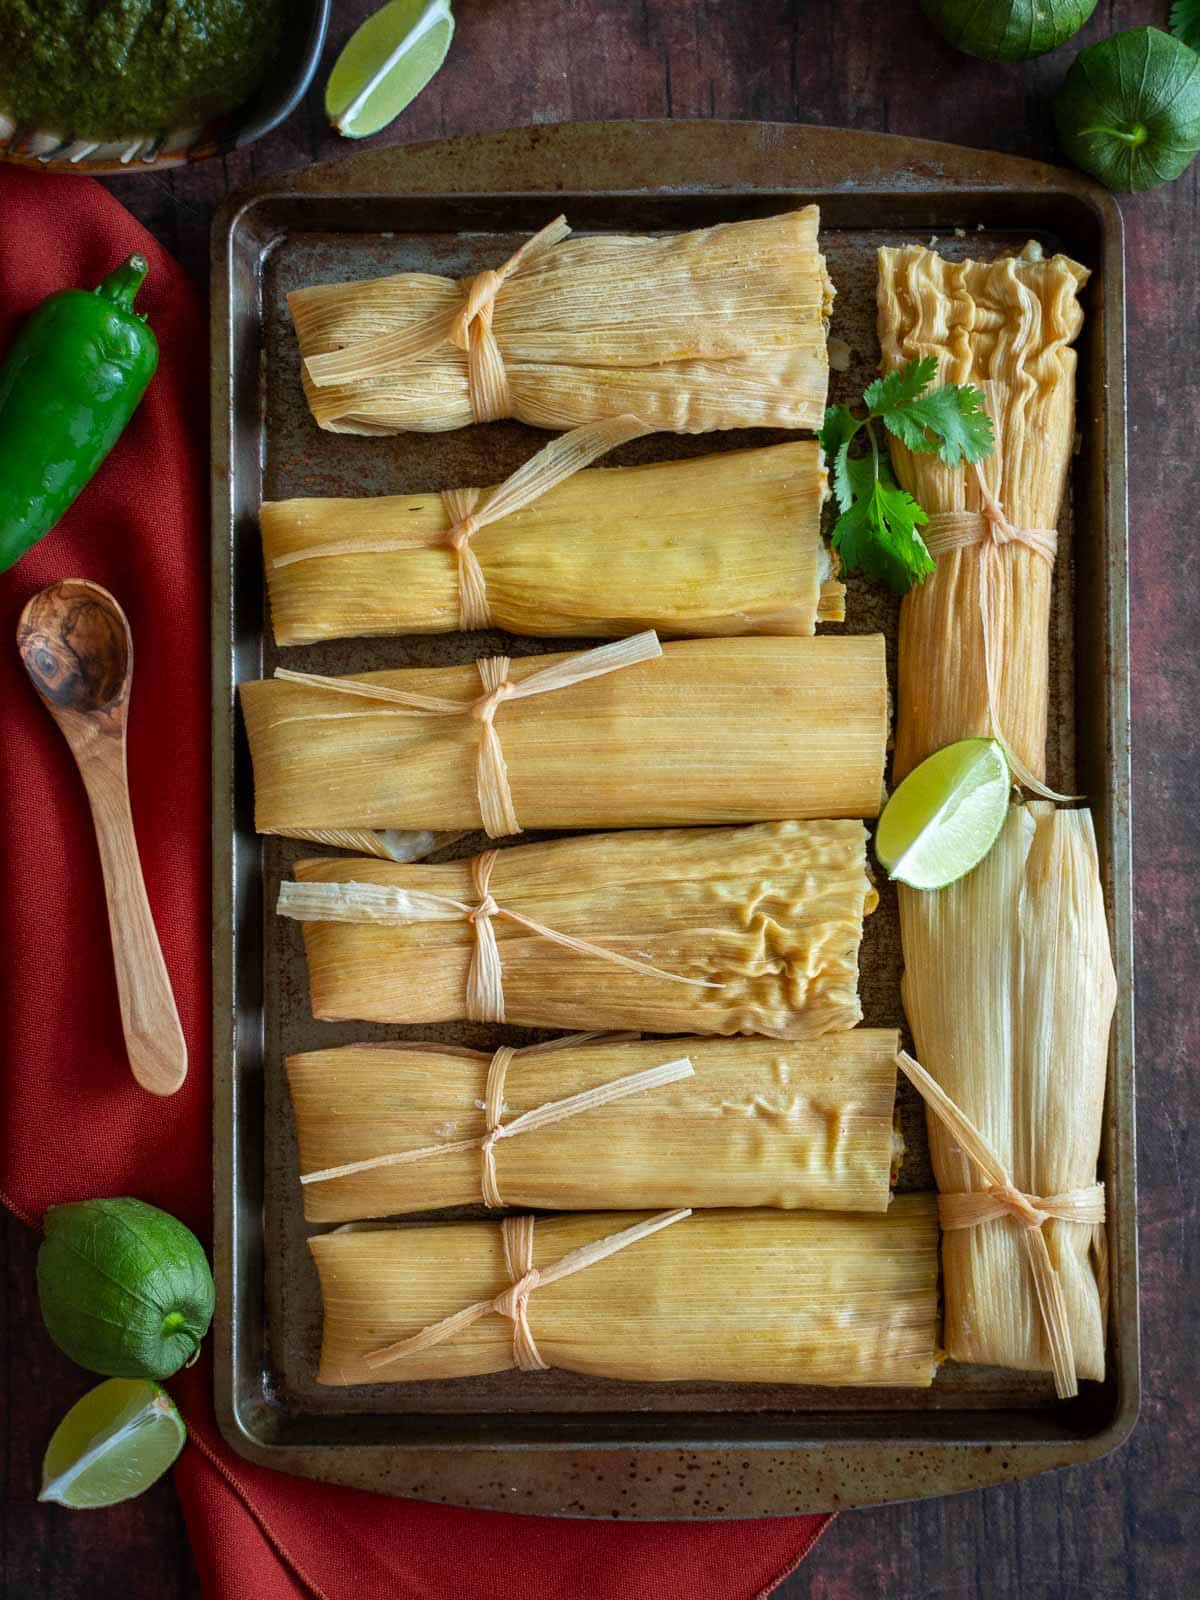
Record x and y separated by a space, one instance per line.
386 63
112 1444
946 815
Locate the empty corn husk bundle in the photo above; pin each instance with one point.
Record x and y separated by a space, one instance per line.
589 1125
719 328
1009 988
974 636
743 1296
713 730
727 544
699 930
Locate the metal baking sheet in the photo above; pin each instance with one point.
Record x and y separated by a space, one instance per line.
558 1442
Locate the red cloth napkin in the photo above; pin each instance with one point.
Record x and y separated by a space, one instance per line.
75 1125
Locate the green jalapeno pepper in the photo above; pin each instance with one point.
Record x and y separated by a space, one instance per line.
70 383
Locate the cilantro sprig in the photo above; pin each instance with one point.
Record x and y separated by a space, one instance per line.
876 532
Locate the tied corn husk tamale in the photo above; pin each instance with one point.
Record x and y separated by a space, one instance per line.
758 1123
722 327
1006 327
726 544
713 730
1009 989
740 1296
772 914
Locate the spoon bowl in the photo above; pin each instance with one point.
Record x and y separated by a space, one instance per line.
75 642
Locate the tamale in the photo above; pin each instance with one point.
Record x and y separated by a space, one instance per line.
725 544
750 1123
1005 326
1009 988
714 730
722 327
741 1296
762 923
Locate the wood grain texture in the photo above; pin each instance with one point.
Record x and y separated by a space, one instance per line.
1126 1529
74 640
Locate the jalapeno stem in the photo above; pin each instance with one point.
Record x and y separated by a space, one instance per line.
122 284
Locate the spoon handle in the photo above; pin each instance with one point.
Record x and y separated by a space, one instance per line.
153 1036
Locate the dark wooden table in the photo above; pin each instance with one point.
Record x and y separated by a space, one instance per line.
1130 1526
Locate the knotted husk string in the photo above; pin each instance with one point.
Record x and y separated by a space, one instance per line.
469 328
1000 1200
382 903
542 1116
990 528
496 809
517 1236
552 465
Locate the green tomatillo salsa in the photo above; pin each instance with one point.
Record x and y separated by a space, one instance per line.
110 69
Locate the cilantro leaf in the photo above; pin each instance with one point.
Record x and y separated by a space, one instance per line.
861 474
950 420
911 430
900 388
853 538
838 430
878 534
1185 22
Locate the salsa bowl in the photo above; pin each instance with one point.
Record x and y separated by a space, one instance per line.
277 97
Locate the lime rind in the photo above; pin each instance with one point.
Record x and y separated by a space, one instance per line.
125 1289
386 63
946 815
112 1444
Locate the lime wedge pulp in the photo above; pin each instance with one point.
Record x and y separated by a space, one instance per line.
112 1444
946 815
386 63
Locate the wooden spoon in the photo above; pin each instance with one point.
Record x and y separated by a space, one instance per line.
74 640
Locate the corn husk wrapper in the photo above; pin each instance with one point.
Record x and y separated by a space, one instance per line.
722 327
773 914
759 1123
1009 989
726 544
1005 326
389 845
741 1296
716 730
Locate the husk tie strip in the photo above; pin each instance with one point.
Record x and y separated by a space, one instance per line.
496 809
469 328
379 903
540 1117
990 528
517 1236
1001 1199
